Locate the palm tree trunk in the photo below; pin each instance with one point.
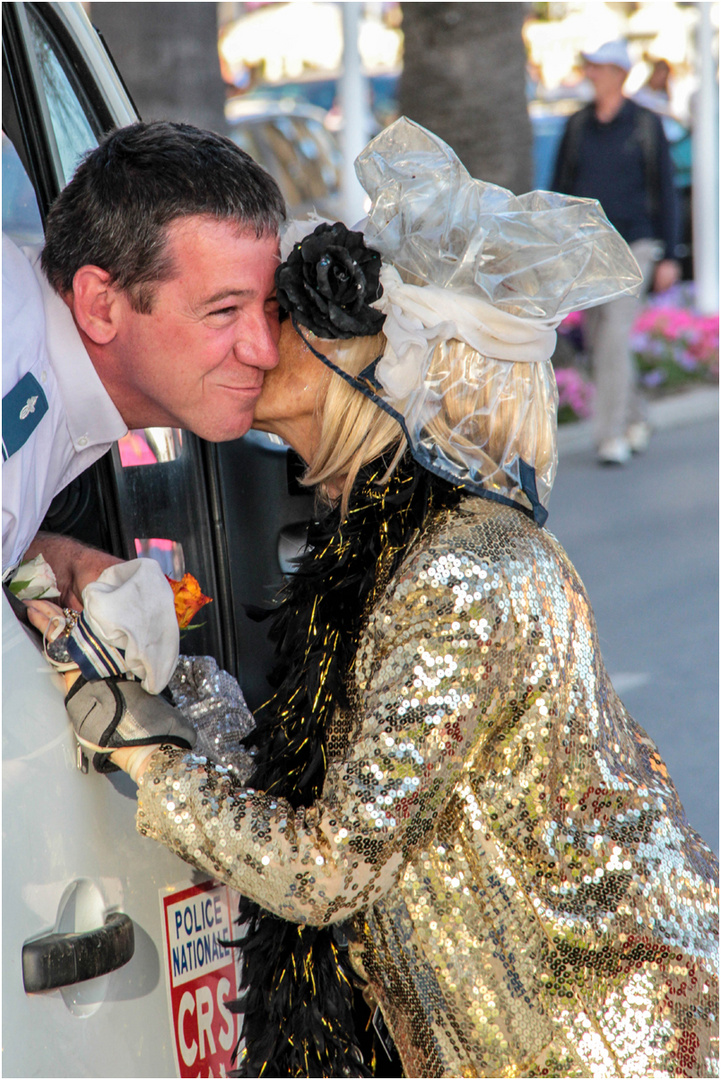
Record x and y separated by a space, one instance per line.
168 56
464 78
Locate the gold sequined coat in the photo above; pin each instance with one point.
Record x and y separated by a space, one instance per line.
523 893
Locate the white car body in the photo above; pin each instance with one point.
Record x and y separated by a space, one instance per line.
71 854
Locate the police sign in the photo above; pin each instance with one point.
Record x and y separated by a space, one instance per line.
201 977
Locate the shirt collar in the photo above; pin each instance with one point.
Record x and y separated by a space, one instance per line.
626 108
91 416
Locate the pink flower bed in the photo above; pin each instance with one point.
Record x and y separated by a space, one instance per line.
575 395
673 345
671 335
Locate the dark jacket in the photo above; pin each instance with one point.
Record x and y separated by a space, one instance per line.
626 165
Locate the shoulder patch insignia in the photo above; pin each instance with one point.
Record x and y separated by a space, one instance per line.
23 408
28 407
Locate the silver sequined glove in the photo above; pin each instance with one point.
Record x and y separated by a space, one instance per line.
109 714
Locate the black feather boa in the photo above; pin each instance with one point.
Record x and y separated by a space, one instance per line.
296 982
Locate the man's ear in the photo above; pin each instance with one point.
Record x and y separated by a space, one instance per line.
95 303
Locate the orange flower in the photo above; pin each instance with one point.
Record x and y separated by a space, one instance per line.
188 599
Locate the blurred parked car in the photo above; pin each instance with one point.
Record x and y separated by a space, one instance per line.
291 141
323 94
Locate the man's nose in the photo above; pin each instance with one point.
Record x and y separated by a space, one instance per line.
260 348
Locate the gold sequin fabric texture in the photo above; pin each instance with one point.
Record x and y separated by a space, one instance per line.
518 880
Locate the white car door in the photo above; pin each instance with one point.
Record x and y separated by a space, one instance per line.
71 860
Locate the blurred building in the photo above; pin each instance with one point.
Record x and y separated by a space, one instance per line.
556 33
266 43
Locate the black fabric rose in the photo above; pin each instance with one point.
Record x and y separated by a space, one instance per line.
329 281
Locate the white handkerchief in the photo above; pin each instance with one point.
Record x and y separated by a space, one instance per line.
131 610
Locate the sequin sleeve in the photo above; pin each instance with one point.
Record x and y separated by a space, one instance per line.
438 653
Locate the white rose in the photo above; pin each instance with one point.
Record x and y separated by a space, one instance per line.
34 580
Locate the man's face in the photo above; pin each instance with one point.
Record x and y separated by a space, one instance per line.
605 78
197 361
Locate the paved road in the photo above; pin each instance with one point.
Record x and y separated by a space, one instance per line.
644 539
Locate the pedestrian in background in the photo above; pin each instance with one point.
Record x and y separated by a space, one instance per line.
615 150
655 93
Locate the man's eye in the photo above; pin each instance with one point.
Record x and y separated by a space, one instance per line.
223 312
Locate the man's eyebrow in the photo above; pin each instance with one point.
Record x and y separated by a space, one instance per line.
224 293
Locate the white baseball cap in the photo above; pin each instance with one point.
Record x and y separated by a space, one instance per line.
612 52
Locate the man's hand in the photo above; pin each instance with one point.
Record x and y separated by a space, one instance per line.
665 275
75 565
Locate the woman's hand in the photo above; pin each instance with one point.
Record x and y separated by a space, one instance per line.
133 760
50 620
147 714
116 714
41 613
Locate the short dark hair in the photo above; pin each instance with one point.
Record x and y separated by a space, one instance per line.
115 211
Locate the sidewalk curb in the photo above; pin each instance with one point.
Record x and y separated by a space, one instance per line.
701 403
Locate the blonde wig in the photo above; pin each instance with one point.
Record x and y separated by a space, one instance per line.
488 413
487 417
353 430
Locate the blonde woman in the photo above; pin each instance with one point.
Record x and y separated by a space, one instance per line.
447 804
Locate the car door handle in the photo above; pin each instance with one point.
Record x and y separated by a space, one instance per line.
63 959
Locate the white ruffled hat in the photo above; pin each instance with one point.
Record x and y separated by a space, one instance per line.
464 261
